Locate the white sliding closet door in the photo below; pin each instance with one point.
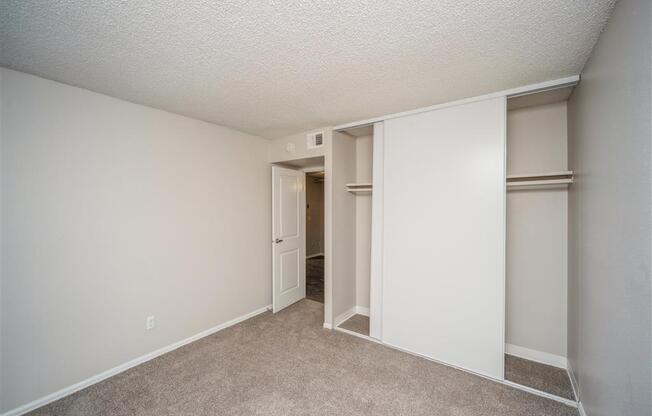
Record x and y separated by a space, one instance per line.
444 235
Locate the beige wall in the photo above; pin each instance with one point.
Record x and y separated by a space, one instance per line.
364 164
610 217
295 146
112 212
314 215
344 227
536 272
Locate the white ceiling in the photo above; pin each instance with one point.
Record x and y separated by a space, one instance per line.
277 67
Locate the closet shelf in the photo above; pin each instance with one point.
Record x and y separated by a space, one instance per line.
562 178
359 187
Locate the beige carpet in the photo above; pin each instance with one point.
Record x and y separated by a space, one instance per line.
287 364
539 376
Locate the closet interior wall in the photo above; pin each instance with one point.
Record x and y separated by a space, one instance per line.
343 227
536 238
352 163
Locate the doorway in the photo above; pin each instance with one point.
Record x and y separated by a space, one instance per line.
315 236
299 238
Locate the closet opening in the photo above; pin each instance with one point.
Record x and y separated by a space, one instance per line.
352 181
538 177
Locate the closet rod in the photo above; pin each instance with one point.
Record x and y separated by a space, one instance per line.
531 176
541 179
363 187
542 182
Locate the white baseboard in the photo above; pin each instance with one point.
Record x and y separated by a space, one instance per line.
488 377
538 356
540 393
573 379
314 255
123 367
355 334
344 316
361 310
356 310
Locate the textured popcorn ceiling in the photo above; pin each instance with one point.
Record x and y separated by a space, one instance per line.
276 67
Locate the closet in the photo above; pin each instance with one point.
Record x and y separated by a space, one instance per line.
537 182
352 195
468 231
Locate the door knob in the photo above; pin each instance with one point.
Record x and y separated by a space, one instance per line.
278 240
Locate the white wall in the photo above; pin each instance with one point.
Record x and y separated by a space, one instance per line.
111 212
364 165
537 139
295 146
1 268
536 273
610 218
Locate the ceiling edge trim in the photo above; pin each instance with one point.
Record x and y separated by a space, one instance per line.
510 93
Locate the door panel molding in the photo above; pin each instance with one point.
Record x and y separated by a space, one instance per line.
288 237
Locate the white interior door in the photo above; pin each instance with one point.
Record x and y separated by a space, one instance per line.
288 237
444 235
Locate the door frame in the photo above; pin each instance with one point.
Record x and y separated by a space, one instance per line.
377 205
327 167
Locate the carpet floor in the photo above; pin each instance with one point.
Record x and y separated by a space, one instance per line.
315 279
357 323
288 364
539 376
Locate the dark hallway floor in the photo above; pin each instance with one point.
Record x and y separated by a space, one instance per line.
315 279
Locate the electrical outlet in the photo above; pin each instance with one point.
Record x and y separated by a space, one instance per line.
150 323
